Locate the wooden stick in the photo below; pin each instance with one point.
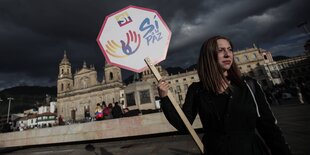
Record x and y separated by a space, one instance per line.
177 107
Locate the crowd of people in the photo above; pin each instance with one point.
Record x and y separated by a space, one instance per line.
103 111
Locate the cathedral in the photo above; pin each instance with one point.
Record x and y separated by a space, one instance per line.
80 92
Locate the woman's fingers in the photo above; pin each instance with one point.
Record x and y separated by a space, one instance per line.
163 87
163 84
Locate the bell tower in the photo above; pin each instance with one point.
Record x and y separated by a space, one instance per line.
112 74
65 81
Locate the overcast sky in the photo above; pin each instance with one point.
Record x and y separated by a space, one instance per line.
35 33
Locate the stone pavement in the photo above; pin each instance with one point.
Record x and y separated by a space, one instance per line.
294 120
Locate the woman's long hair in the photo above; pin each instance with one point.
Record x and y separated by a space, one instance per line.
210 72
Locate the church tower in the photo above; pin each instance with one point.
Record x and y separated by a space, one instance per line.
112 74
65 81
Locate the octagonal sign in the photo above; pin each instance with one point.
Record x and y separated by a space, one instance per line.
130 35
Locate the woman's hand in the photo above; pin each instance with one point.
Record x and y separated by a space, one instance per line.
163 88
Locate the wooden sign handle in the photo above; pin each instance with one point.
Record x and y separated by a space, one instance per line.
177 107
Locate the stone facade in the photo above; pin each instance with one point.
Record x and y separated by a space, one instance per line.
258 63
80 92
179 83
140 95
295 69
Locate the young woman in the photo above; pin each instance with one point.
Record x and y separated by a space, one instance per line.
231 108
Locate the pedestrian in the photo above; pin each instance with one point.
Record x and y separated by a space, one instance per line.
106 111
231 107
126 112
117 111
60 120
299 95
87 114
98 112
305 92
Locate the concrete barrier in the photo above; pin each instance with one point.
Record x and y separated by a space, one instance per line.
106 129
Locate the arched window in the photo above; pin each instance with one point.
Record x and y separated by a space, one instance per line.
111 76
178 89
62 87
237 59
62 71
246 57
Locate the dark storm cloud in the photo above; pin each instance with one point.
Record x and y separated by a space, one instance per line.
34 33
266 23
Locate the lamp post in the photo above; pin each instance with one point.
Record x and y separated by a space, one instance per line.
10 99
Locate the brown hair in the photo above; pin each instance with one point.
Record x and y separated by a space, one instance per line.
209 70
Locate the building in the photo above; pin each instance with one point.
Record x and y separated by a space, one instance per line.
43 109
179 82
258 63
295 69
140 95
79 93
44 117
31 121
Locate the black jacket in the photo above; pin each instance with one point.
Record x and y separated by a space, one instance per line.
117 112
245 124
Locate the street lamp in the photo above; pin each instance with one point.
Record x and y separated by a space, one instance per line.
10 99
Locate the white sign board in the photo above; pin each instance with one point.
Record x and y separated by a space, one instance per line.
130 35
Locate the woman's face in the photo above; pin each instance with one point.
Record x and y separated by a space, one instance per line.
224 54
